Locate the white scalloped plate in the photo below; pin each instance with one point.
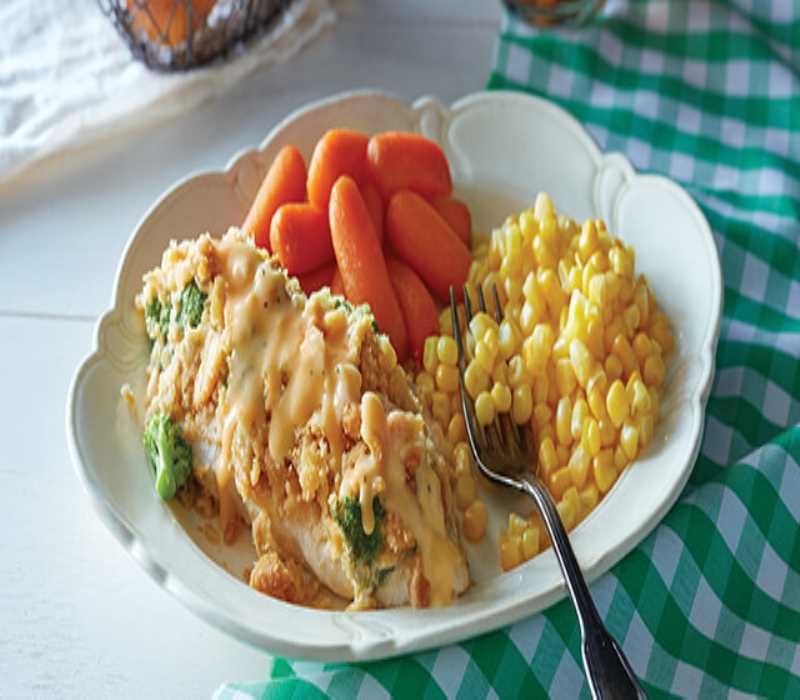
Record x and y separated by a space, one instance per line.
503 148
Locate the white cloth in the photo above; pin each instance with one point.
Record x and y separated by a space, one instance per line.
67 78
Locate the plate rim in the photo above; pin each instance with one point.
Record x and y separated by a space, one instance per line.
373 649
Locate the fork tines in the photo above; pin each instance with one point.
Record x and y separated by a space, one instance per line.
502 434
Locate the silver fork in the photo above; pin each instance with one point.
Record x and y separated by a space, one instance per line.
504 455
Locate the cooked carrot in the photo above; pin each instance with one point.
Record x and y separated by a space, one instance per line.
361 261
401 161
337 284
374 201
301 238
285 182
338 152
317 279
456 214
416 303
422 238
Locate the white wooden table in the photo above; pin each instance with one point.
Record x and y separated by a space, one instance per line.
78 618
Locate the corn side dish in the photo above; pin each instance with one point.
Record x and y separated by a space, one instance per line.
579 358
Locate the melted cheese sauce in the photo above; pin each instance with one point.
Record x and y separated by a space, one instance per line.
383 470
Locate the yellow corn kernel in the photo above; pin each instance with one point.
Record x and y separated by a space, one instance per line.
510 552
589 271
462 459
590 497
608 433
440 407
559 481
598 293
565 377
551 289
642 347
545 432
568 509
620 262
530 542
605 473
595 397
475 518
543 207
625 294
500 372
430 358
425 383
447 378
617 403
508 339
661 332
579 466
594 338
446 322
501 396
641 298
591 436
529 316
456 430
562 452
654 370
522 404
582 361
580 412
516 524
629 440
620 458
517 372
563 419
646 426
530 288
599 261
545 254
479 324
536 349
484 408
632 380
542 414
614 327
588 241
561 347
529 227
640 403
476 379
597 379
465 490
613 367
631 318
512 287
548 459
574 278
447 350
622 349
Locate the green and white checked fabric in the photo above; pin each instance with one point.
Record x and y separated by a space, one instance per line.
708 605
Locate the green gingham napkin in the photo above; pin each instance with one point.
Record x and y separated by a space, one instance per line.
707 93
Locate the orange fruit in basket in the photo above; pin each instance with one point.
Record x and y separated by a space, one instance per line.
167 21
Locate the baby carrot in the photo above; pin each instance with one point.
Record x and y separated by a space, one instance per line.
401 161
338 152
285 182
316 279
374 201
337 285
301 238
422 238
456 214
416 303
361 261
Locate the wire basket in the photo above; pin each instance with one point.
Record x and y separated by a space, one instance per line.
176 35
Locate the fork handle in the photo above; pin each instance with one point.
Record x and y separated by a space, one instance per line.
607 670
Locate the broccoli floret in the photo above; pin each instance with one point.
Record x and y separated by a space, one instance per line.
192 302
363 547
156 317
168 453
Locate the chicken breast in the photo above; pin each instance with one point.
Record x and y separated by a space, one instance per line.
302 426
